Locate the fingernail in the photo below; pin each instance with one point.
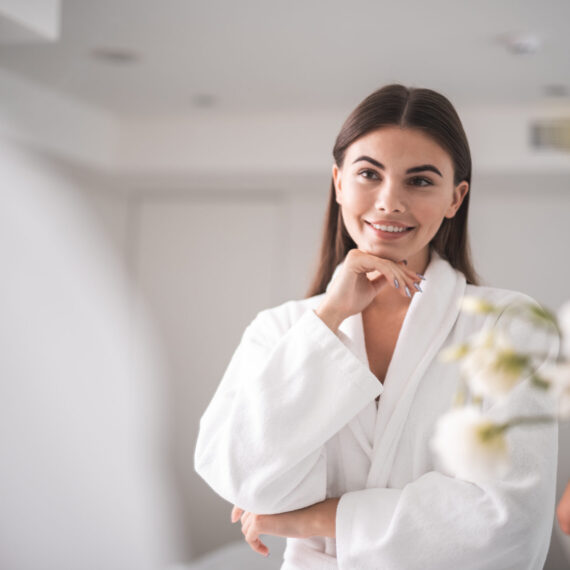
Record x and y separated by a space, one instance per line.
408 292
418 287
420 276
396 284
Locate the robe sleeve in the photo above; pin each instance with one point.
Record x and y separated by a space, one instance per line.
261 443
438 521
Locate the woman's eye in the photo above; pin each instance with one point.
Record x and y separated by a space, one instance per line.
420 181
368 174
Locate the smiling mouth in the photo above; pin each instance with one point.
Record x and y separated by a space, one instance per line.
391 229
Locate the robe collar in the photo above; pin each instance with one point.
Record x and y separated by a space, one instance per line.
427 324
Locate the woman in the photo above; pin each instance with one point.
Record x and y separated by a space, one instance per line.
320 428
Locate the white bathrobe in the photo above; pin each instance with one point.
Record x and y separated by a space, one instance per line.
295 421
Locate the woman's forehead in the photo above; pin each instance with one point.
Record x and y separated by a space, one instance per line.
402 145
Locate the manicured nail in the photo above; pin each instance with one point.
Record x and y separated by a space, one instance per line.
408 292
420 276
396 284
418 287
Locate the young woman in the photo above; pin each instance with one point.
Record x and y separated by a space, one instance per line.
320 428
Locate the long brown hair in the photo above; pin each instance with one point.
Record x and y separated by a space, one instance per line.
416 108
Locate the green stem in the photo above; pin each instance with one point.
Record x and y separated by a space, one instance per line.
528 420
492 431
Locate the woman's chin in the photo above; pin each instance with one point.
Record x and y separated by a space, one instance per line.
391 253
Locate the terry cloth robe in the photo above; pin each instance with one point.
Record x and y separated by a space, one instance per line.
295 421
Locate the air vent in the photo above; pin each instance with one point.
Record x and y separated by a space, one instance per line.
551 134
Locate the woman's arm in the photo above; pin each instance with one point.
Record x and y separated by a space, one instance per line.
450 522
262 439
455 523
316 520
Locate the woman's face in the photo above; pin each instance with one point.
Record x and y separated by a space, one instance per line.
396 179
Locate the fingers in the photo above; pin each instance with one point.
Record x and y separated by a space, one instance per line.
406 281
236 514
398 274
251 533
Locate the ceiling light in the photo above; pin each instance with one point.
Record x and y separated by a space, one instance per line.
115 56
521 43
203 100
556 90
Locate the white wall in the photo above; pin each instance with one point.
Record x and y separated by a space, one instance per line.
208 262
301 142
82 475
520 233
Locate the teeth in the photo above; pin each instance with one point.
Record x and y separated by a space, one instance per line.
388 228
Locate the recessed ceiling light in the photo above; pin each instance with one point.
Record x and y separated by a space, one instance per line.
556 90
115 56
203 100
521 43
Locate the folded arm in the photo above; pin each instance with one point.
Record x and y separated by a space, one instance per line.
284 395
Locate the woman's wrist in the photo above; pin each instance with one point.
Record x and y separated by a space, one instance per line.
323 518
329 317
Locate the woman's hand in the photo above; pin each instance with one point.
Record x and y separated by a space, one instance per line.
316 520
353 289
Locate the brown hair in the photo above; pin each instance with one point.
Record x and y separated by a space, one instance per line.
416 108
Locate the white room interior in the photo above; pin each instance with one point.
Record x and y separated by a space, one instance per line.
139 241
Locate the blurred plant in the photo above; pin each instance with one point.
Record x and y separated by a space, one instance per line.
469 443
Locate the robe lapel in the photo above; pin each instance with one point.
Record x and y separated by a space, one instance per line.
351 332
427 324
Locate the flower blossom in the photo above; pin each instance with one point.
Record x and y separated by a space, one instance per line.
470 445
476 305
454 352
492 366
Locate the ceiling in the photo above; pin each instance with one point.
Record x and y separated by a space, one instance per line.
236 56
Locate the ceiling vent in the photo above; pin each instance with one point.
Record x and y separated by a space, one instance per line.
551 134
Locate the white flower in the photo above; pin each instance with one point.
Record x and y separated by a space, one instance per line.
471 446
476 305
492 366
564 322
558 376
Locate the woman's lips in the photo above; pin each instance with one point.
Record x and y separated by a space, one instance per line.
389 235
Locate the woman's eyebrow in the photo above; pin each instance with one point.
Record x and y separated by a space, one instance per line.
371 160
423 167
412 170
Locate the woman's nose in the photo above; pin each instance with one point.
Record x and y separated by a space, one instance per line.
389 198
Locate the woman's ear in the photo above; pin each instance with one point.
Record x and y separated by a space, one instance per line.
459 193
337 182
